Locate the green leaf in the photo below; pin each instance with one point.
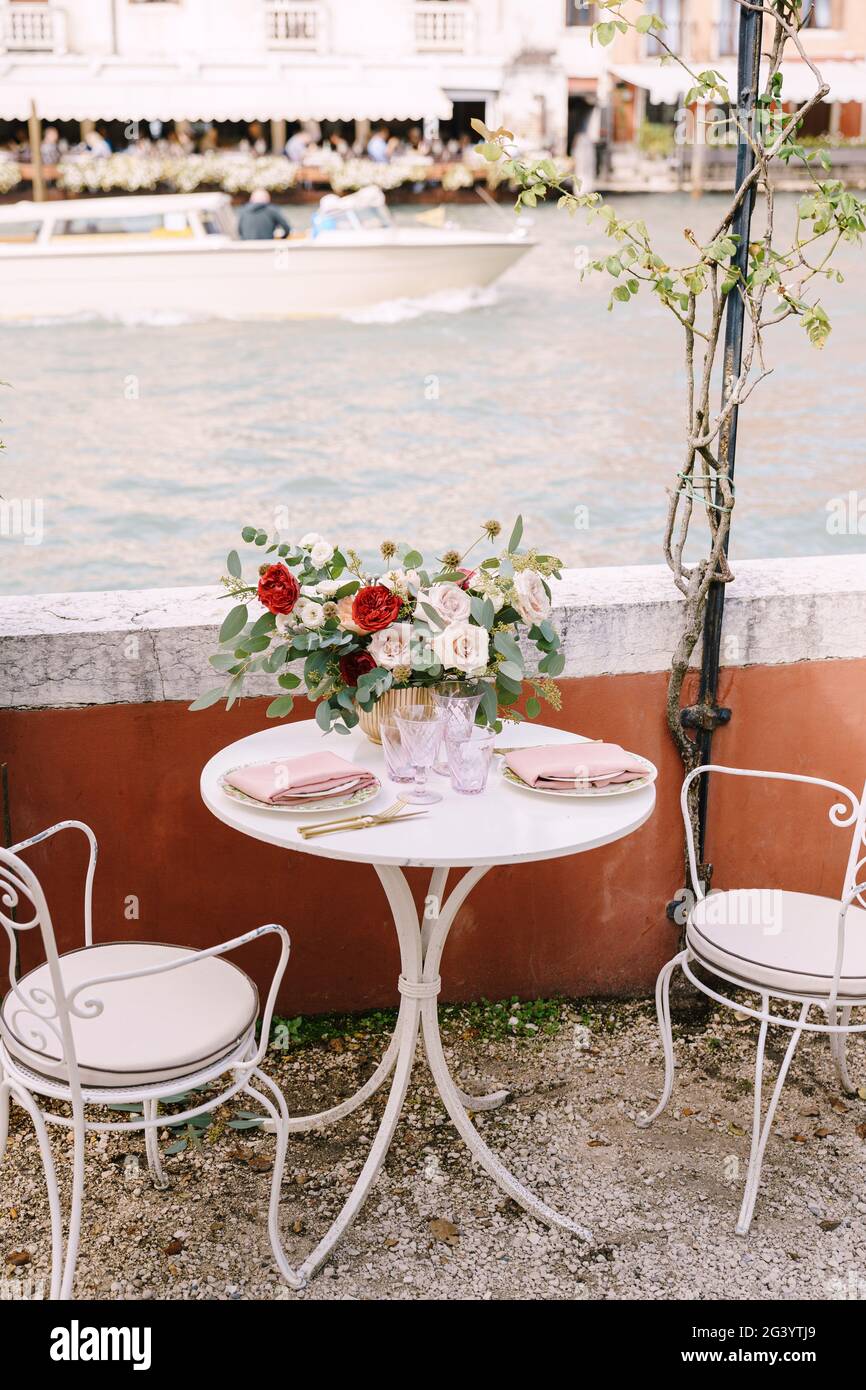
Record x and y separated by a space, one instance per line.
605 33
510 671
288 680
644 23
482 611
516 534
208 699
249 534
434 617
280 707
233 622
555 664
222 661
323 715
508 647
266 623
533 707
413 560
488 703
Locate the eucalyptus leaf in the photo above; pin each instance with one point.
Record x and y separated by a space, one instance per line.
233 622
280 707
208 699
435 618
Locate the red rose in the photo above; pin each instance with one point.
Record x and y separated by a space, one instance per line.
278 589
354 665
375 607
467 575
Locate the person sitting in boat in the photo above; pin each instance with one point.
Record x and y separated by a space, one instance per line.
259 220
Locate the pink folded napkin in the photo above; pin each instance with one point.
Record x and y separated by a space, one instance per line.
562 766
296 779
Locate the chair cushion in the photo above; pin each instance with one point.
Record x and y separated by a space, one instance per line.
786 941
151 1029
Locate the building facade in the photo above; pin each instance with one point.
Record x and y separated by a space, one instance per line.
527 64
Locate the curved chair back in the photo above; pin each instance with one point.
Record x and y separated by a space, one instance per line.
847 811
41 1017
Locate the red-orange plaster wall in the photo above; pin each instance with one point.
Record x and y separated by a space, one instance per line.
591 924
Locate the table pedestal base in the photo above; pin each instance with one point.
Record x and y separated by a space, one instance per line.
421 946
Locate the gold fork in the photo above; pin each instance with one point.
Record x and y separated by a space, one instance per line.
339 820
361 823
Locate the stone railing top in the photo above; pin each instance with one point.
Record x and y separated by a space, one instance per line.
132 646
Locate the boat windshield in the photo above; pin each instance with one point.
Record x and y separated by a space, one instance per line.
156 224
19 231
357 219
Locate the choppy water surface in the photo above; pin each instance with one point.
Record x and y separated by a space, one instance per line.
151 444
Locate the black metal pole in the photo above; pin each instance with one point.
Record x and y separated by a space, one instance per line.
748 79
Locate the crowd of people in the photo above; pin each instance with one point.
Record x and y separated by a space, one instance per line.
309 144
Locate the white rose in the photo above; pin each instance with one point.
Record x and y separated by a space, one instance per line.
531 602
450 601
310 614
391 647
463 647
286 622
328 587
321 553
310 539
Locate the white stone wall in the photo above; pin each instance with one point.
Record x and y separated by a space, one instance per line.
62 650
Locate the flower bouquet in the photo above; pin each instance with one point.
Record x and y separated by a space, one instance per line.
410 627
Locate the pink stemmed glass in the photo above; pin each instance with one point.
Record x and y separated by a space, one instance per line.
420 730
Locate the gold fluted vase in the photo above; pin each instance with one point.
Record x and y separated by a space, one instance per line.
389 704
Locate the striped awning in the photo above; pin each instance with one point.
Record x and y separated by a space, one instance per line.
76 90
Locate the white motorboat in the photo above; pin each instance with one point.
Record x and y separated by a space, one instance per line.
117 257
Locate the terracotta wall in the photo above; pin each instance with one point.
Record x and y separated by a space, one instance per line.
594 924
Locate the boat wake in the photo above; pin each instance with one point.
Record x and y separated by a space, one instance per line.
143 318
442 302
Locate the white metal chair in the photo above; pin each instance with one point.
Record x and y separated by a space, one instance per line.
124 1023
781 945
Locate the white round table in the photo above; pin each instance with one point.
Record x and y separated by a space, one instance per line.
505 825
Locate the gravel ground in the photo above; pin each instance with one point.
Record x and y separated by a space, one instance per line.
661 1203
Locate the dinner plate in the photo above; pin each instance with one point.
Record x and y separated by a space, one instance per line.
332 802
614 789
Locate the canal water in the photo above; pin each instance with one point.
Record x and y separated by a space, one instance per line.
147 445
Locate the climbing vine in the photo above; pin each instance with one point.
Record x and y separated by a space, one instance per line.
775 277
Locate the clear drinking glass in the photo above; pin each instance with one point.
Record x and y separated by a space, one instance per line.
469 759
458 701
420 731
396 757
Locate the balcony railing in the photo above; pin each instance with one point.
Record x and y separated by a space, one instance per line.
295 26
33 29
442 26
